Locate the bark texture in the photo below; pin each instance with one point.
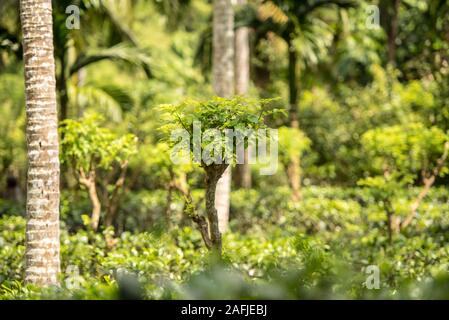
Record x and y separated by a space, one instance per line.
42 230
223 199
242 81
209 225
242 56
89 181
223 84
213 174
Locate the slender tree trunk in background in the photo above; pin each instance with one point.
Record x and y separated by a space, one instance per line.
293 170
223 83
293 86
294 178
62 89
389 17
13 191
80 81
242 56
242 80
114 199
392 34
42 230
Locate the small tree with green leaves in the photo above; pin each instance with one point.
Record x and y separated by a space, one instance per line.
92 151
214 116
398 156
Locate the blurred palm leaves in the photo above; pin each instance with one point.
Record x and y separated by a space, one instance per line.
78 49
108 99
121 52
269 10
310 25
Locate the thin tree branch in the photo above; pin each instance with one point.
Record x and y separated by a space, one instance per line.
429 180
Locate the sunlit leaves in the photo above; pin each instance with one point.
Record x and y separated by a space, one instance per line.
217 114
292 144
87 145
408 149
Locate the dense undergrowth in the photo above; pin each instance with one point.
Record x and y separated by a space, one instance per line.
320 247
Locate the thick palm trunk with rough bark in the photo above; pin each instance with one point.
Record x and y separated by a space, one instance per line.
242 71
42 230
223 83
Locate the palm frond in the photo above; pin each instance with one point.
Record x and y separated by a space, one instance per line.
269 10
120 52
106 99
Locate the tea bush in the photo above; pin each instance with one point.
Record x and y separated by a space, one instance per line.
285 259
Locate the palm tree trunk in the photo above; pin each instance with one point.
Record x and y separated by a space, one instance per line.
42 230
242 71
242 56
223 83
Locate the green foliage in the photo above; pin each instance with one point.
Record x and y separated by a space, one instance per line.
385 187
284 260
336 121
215 116
158 164
292 144
12 137
86 145
11 248
405 149
399 155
